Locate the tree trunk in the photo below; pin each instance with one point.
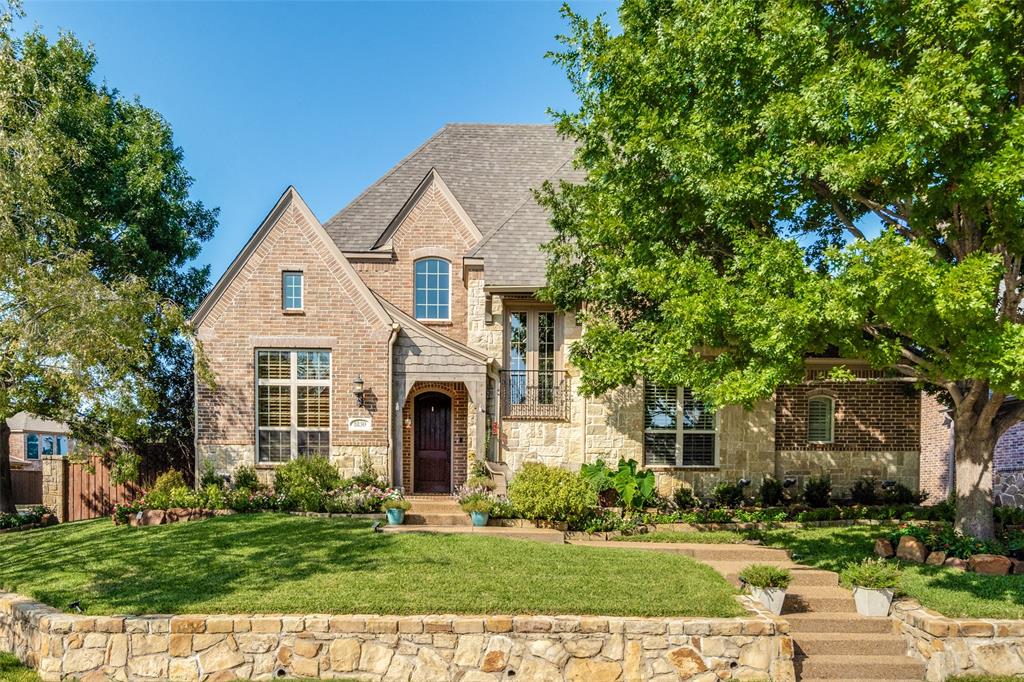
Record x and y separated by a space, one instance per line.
6 482
974 448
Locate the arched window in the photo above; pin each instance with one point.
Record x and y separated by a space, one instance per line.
433 289
821 415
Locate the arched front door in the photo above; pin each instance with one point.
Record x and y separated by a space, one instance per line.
432 444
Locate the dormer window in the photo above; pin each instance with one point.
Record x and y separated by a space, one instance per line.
291 291
433 289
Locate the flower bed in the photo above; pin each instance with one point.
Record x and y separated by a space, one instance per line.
942 545
36 517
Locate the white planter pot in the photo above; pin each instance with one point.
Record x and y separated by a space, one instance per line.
872 602
771 597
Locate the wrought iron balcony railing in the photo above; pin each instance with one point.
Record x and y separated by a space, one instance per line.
535 394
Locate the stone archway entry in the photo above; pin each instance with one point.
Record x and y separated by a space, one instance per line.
432 443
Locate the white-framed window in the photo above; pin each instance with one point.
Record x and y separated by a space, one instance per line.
293 404
37 444
433 289
291 290
679 430
821 417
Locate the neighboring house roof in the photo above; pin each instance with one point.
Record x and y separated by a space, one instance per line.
489 169
23 421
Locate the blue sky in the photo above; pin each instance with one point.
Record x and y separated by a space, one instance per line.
323 96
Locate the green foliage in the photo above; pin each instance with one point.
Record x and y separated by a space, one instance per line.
864 491
209 476
481 482
551 494
404 505
772 492
684 498
763 575
168 481
367 475
818 491
479 469
725 494
635 488
598 475
873 573
901 494
480 504
245 478
305 482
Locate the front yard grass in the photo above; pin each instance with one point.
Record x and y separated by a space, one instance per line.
953 593
11 670
277 563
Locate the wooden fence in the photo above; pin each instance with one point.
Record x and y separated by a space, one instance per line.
28 486
80 491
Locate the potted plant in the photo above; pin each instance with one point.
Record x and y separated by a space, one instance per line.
395 510
479 509
767 584
874 582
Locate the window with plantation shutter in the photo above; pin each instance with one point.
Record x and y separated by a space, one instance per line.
820 419
678 429
293 404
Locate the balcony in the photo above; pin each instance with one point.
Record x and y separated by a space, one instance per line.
535 394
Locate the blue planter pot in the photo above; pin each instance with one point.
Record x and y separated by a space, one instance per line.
396 517
479 518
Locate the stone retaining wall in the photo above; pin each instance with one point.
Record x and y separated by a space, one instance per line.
410 648
952 647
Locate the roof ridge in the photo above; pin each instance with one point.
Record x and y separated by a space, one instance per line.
394 169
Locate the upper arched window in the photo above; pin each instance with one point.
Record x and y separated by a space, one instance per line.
821 416
433 289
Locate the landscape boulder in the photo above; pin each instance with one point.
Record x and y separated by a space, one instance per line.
989 564
955 562
883 548
1018 566
936 559
48 520
153 517
911 549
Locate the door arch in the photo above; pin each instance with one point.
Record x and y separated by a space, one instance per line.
432 443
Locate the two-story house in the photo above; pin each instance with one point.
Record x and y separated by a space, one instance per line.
406 330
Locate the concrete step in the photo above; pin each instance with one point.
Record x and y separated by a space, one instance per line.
435 508
842 667
534 534
865 644
460 518
838 623
746 553
801 576
802 603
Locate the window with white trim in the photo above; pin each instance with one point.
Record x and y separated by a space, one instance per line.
678 429
37 444
433 289
291 290
293 404
821 416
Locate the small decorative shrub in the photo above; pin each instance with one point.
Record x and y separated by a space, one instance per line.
771 492
368 476
876 574
483 482
764 576
551 494
864 491
684 498
404 505
503 509
818 491
306 482
480 505
186 498
168 481
213 497
901 494
246 478
727 494
209 476
16 520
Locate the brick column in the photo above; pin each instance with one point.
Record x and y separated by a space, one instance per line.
55 485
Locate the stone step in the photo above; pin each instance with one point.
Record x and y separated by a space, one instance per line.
839 623
435 508
804 603
856 679
843 667
801 576
867 644
460 518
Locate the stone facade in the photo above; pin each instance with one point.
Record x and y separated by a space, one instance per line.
408 648
951 647
1008 488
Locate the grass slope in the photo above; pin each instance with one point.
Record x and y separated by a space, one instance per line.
953 593
275 563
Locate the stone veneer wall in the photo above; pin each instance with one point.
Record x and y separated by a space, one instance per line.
952 647
409 648
1008 488
846 467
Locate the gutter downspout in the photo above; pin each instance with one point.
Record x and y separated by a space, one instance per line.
395 328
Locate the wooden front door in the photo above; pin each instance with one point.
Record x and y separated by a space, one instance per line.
432 444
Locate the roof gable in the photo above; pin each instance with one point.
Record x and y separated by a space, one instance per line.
433 180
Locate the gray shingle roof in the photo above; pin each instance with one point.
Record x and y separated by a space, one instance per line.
490 169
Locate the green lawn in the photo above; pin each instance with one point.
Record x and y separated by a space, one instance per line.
276 563
11 670
953 593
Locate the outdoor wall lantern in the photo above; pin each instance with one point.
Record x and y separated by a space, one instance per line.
357 390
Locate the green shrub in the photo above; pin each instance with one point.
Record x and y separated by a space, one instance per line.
771 492
246 478
481 482
598 475
684 498
213 497
404 505
477 504
818 491
184 498
367 476
901 494
864 491
727 494
763 575
635 488
547 493
209 476
874 573
503 509
168 481
305 482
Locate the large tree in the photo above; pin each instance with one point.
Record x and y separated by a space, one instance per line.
97 230
771 178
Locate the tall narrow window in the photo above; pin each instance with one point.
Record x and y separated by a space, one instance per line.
821 414
293 406
433 289
533 383
291 290
679 430
31 446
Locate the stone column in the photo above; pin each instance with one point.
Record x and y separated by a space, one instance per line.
55 484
